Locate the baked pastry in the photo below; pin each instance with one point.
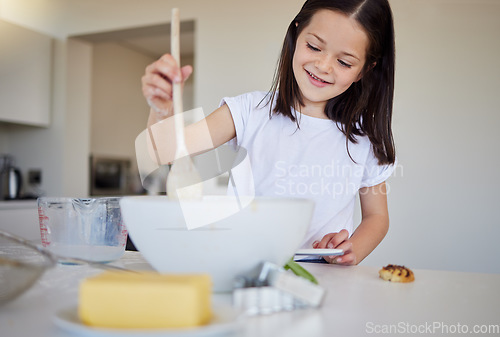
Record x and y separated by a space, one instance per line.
395 273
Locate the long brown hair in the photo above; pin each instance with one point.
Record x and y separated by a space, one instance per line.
365 108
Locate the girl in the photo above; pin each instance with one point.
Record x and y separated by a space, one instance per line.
324 129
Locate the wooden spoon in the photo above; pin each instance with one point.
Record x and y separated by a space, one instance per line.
183 181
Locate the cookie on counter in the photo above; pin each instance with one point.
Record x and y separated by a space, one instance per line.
395 273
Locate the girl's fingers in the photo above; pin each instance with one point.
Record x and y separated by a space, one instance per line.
333 240
168 68
158 84
346 246
152 93
186 72
159 75
346 259
337 239
324 241
342 236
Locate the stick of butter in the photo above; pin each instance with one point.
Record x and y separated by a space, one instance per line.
145 300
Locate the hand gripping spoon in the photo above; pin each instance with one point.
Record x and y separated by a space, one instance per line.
183 181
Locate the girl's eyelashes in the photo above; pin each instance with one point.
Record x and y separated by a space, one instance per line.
310 46
344 64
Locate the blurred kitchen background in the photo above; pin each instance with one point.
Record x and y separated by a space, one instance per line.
111 96
71 106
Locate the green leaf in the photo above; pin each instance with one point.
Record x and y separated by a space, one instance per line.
298 270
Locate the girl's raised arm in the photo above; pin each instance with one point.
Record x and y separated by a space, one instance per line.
211 132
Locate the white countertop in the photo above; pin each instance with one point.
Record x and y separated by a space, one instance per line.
18 204
357 303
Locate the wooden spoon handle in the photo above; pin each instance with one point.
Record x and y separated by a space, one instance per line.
177 87
176 53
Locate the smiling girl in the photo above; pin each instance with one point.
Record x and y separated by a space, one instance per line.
323 131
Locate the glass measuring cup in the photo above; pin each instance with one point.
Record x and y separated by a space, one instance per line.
90 229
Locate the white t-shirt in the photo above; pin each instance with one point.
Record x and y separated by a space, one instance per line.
307 162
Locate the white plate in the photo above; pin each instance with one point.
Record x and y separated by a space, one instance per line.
225 320
320 252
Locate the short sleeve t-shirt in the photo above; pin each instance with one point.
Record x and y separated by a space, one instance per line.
310 161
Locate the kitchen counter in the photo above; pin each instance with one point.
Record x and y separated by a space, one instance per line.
18 204
20 217
357 303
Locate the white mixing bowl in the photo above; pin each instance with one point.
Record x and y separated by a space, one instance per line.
267 229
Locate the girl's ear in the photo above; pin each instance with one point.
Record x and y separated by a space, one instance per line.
361 74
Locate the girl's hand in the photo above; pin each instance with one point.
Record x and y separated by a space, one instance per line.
338 240
157 84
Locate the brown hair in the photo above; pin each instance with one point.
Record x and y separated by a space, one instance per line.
365 108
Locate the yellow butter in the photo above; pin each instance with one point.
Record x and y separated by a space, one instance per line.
145 300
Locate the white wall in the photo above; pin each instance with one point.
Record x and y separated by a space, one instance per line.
447 110
119 111
77 118
443 199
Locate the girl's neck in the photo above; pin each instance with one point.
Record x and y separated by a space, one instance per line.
313 110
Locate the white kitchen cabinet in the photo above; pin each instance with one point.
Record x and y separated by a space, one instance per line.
20 218
25 75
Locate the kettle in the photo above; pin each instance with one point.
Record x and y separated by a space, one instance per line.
10 179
